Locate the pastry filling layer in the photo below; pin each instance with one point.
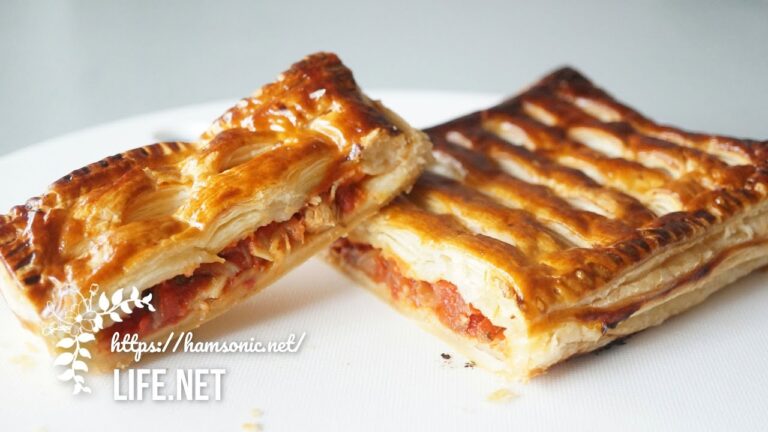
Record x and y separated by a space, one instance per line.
441 297
241 264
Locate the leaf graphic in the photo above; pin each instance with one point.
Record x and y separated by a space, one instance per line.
94 309
65 343
117 297
98 323
103 302
80 365
67 375
64 358
125 307
86 337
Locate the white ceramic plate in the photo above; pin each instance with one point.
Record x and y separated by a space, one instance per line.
363 366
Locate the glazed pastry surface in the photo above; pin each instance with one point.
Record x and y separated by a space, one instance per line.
566 219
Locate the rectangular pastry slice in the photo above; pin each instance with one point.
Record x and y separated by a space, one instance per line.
560 220
201 226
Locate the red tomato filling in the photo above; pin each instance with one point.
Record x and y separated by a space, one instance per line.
172 298
441 296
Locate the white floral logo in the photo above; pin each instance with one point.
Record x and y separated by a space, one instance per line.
80 325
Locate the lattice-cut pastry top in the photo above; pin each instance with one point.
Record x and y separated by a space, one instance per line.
139 218
560 206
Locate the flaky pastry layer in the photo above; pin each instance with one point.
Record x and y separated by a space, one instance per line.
567 219
201 225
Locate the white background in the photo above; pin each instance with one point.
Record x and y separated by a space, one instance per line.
67 64
364 367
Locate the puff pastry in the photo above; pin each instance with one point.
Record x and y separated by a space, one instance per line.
560 220
203 225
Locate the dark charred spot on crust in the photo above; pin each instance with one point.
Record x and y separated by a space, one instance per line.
179 280
445 356
705 216
661 235
628 249
614 343
566 76
82 171
701 272
23 262
17 249
614 318
393 129
608 318
117 157
640 243
623 129
674 226
32 280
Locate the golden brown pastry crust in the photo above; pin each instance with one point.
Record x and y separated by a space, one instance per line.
310 144
561 214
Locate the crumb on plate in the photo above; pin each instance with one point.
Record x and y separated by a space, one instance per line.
502 395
